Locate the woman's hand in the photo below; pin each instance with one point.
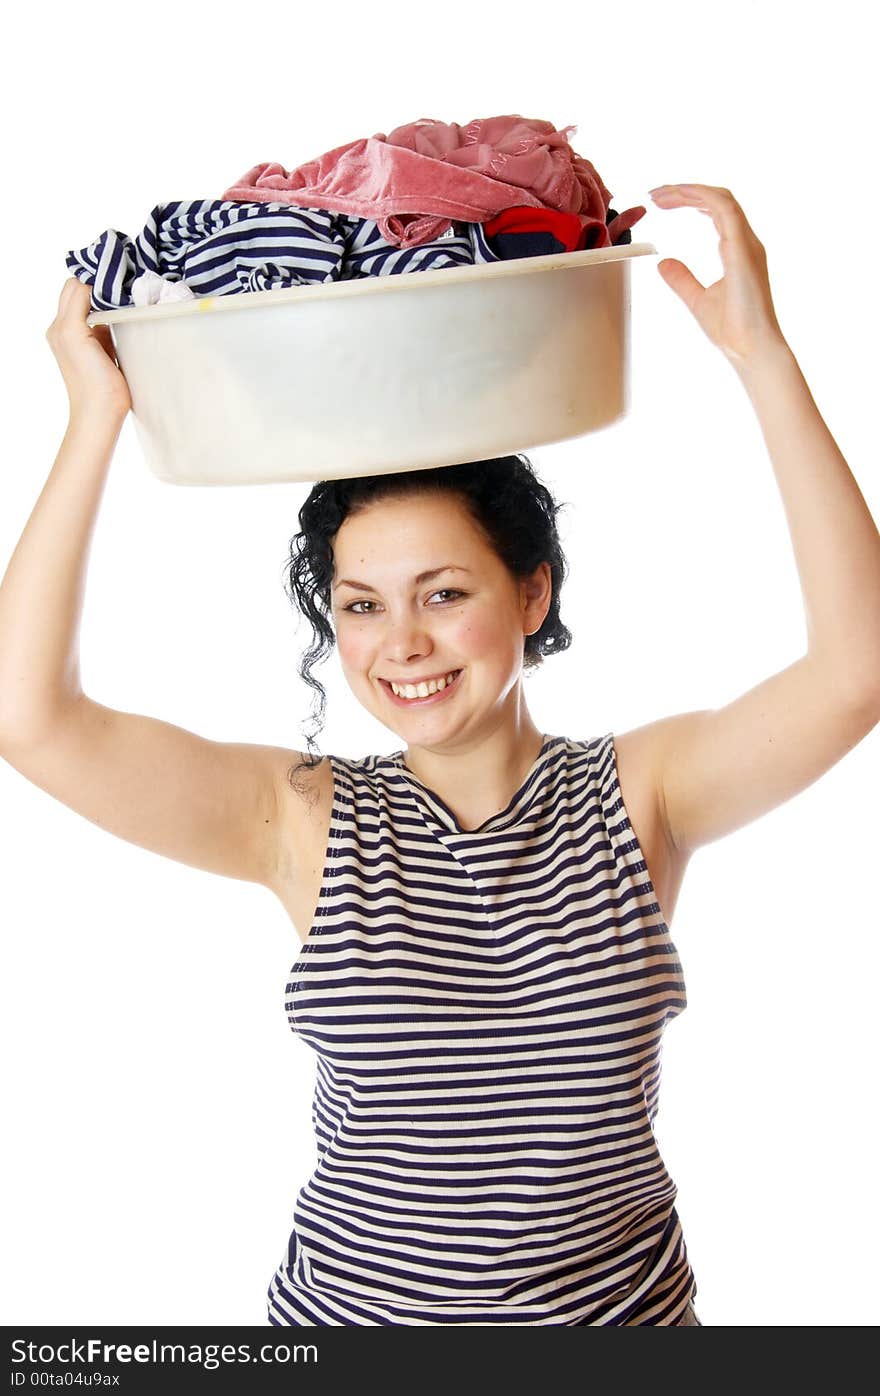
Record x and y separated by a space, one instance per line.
85 356
736 312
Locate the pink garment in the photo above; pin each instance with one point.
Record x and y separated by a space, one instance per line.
415 181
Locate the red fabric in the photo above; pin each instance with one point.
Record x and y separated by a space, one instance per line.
566 227
575 231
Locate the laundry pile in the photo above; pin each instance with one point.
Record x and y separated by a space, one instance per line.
427 196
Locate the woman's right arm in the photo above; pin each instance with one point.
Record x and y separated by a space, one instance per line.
213 805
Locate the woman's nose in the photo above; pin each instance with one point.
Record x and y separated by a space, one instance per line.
406 637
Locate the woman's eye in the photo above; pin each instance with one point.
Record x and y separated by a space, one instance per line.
444 591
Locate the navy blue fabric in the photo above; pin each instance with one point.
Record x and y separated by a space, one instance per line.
540 242
219 247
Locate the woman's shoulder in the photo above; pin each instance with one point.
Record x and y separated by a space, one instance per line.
589 752
318 775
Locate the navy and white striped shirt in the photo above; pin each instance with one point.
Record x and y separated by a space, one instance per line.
220 248
486 1007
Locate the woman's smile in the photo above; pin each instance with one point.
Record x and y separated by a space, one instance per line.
423 700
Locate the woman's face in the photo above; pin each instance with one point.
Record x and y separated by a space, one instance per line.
395 624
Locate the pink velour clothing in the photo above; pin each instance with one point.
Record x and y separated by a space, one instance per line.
416 180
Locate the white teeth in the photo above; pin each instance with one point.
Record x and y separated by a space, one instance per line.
422 690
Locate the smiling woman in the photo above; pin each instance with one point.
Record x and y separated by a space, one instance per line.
489 529
487 968
486 971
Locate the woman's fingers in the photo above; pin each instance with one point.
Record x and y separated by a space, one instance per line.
85 354
736 312
718 203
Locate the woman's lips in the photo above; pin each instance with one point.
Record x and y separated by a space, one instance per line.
421 702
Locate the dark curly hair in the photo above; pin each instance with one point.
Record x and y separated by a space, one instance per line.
507 501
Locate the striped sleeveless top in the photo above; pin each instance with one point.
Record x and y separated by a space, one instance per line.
486 1009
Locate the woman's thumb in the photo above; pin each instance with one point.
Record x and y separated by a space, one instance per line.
67 290
681 280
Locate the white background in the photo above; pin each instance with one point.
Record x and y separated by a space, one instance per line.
156 1100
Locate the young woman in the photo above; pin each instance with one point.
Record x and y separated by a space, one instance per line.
487 966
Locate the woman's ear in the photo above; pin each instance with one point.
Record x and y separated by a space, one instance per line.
536 594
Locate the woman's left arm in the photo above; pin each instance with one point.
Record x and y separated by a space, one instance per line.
721 768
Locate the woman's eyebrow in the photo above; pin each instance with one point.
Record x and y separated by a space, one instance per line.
422 577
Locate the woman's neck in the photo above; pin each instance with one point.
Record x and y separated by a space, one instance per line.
478 778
